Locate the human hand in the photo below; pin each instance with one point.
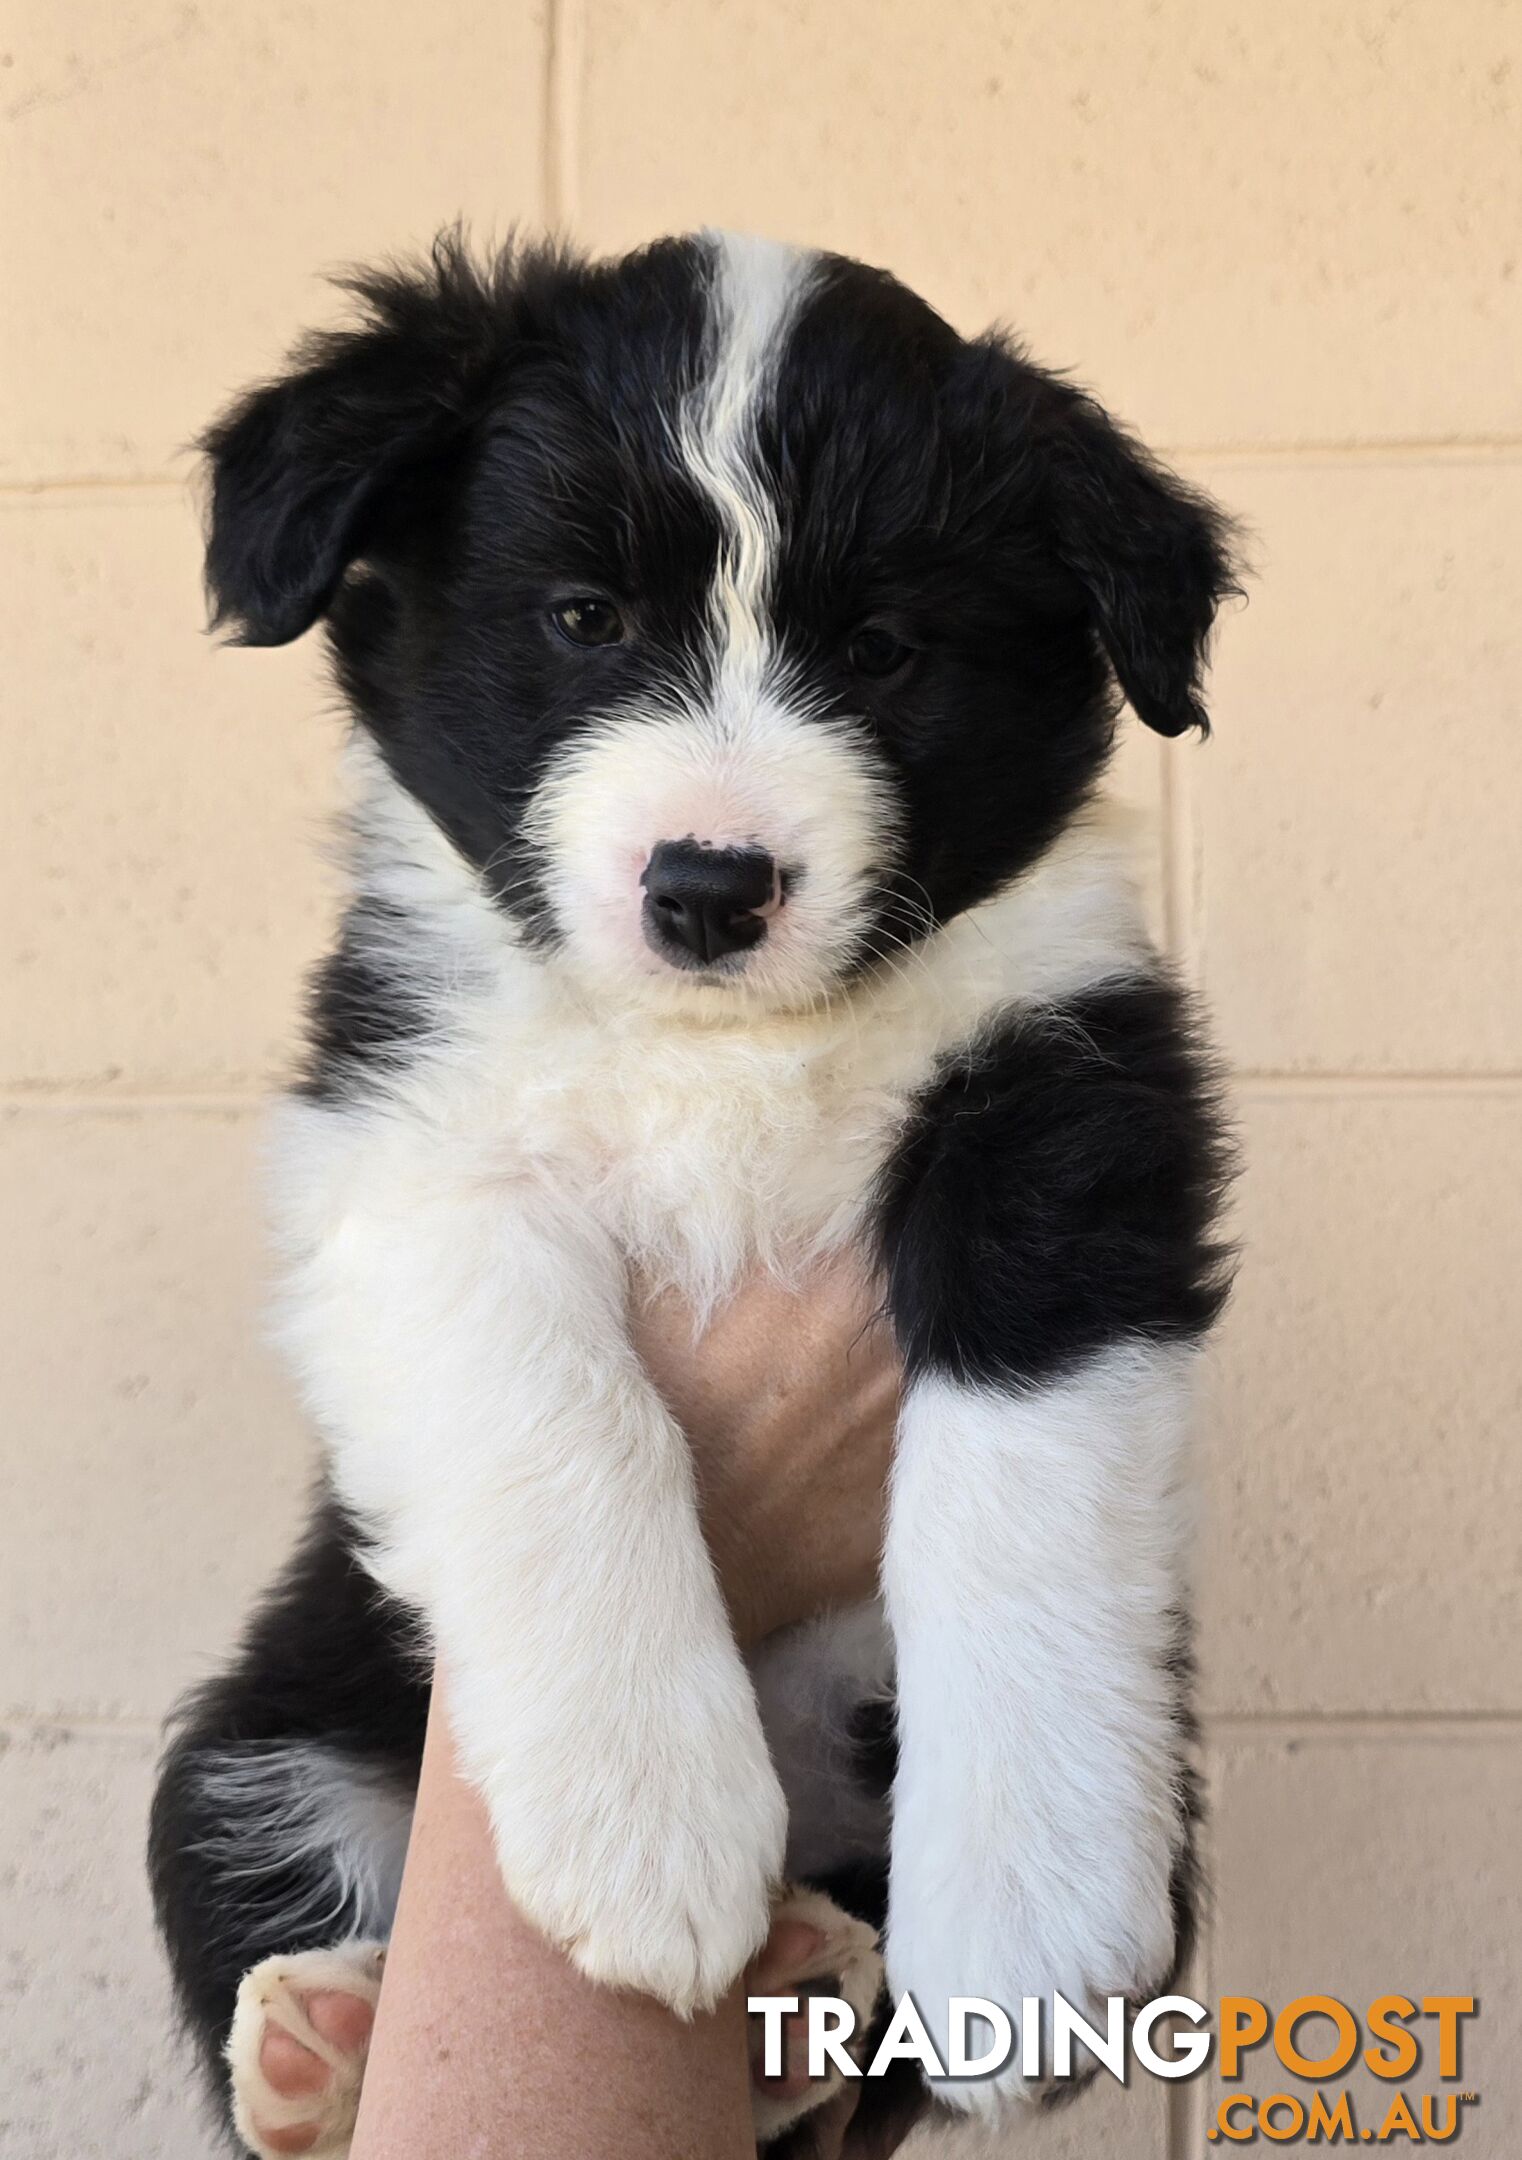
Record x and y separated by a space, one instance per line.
789 1400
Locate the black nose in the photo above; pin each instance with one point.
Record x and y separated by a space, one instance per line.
701 902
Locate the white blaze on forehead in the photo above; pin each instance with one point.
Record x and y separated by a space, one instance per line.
756 290
750 762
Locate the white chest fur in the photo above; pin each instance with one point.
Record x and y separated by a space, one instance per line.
702 1148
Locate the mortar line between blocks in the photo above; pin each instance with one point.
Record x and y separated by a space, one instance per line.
1394 449
100 1102
549 143
563 51
1313 1727
1181 892
38 1724
252 1093
1185 2127
1264 1080
130 483
1167 782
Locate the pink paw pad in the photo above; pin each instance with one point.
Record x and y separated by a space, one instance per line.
813 1948
296 2052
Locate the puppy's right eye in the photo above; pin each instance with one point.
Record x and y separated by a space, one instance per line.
877 653
588 620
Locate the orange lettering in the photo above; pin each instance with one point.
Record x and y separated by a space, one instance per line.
1281 2132
1244 2021
1224 2113
1383 2023
1306 2006
1322 2123
1400 2117
1450 2118
1448 2009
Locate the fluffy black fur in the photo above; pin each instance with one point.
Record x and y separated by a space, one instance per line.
325 1658
1057 1190
360 1018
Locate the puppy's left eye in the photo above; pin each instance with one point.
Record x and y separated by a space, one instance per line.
878 653
588 620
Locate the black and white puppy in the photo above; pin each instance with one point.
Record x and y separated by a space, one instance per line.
734 651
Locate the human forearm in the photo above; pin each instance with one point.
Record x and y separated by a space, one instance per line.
490 2043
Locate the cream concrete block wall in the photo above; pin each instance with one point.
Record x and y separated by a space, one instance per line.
1282 239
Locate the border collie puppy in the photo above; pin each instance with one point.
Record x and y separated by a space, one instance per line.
734 651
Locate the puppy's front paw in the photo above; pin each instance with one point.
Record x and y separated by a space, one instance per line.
672 1912
1016 1921
650 1858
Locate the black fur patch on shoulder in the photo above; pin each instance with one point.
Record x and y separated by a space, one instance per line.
361 1020
1056 1190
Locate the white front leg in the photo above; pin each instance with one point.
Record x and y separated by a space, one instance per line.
465 1348
1033 1582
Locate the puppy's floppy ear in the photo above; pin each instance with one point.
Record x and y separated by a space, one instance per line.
1153 557
302 467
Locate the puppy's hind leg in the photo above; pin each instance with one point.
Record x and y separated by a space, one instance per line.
296 2052
813 1949
276 1867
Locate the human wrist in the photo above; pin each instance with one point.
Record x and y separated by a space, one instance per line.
759 1592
